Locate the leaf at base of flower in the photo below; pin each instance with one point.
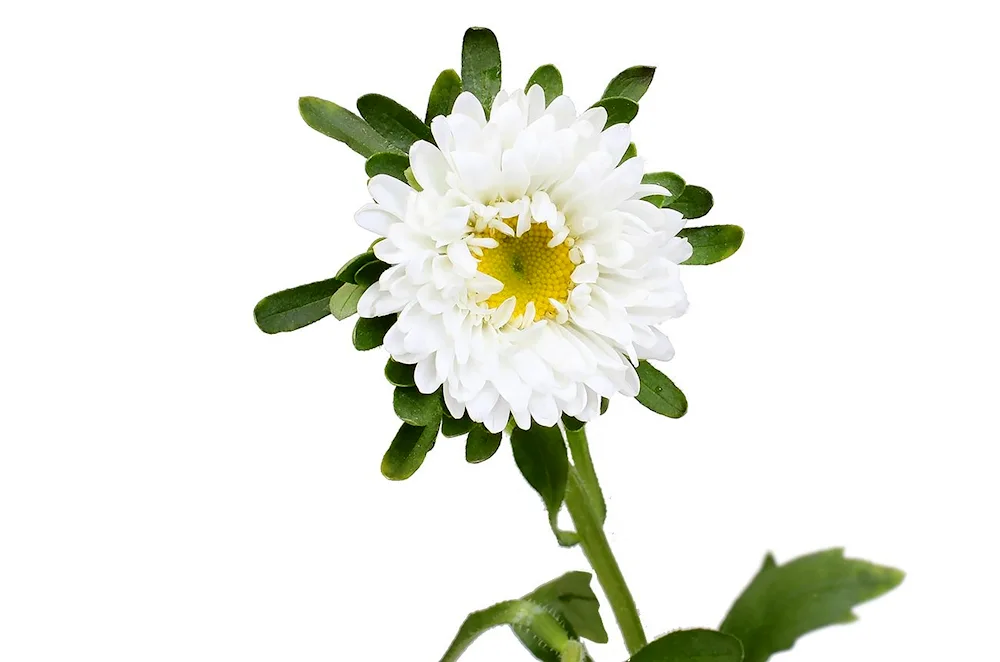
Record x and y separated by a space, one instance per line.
481 65
657 393
393 121
295 308
408 449
540 454
344 302
668 180
533 619
620 110
416 408
341 124
370 331
549 79
481 444
712 243
399 374
694 202
387 163
445 90
630 84
455 427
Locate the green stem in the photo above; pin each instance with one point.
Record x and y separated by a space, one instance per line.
598 551
512 612
584 464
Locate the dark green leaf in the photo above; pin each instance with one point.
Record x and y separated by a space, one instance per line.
395 122
369 273
620 110
630 153
694 202
712 243
571 423
407 452
341 124
658 393
668 180
605 403
369 331
387 163
455 427
399 374
785 602
691 646
446 89
531 618
293 309
344 302
415 407
630 84
481 444
540 454
550 80
481 65
350 269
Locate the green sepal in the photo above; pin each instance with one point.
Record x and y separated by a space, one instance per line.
387 163
394 122
455 427
445 90
540 454
691 646
574 601
295 308
370 331
341 124
481 65
549 79
630 153
350 269
694 202
620 110
658 393
369 273
408 449
712 243
572 423
668 180
630 84
399 374
785 602
481 444
344 302
416 408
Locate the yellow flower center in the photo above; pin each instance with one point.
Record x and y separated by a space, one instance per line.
528 269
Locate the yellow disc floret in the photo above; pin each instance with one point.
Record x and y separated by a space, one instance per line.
529 269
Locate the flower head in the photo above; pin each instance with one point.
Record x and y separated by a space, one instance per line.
527 271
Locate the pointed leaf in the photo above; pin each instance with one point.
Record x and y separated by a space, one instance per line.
408 449
387 163
620 110
295 308
550 80
446 89
712 243
370 331
399 374
416 408
694 202
630 84
344 302
785 602
394 122
540 454
481 65
668 180
574 600
658 393
455 427
350 268
341 124
481 444
691 646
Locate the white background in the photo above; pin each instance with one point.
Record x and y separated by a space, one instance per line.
175 485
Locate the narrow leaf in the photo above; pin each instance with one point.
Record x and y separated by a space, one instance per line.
455 427
481 65
691 646
694 202
446 89
712 243
540 454
295 308
785 602
407 452
481 444
550 80
350 268
620 110
396 123
341 124
399 374
344 302
658 393
630 84
416 408
668 180
387 163
532 618
369 331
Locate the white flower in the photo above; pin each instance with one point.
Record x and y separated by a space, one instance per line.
528 273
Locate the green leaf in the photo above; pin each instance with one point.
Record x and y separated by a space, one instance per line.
350 269
415 407
630 84
785 602
668 180
712 243
455 427
620 110
572 598
396 123
658 393
691 646
605 403
369 273
344 302
481 444
387 163
572 423
399 374
630 153
369 331
295 308
532 618
341 124
540 454
408 449
411 180
550 80
481 65
694 202
446 89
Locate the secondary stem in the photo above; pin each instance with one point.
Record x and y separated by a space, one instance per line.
598 551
